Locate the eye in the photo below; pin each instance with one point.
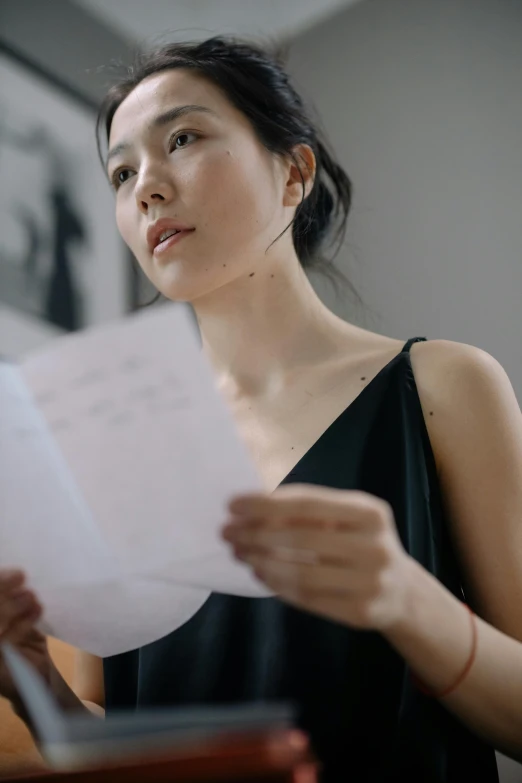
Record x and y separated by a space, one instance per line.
116 181
115 178
181 135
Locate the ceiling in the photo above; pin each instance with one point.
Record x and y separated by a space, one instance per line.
139 20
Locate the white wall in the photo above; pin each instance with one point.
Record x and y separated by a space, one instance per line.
422 99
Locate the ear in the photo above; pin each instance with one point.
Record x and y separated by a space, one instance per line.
300 168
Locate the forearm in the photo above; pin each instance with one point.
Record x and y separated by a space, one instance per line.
66 698
94 708
434 637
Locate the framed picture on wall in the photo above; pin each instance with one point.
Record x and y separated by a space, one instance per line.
63 264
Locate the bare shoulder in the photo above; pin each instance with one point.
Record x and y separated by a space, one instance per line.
454 380
440 364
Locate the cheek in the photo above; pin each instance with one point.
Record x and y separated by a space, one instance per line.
128 229
238 195
124 224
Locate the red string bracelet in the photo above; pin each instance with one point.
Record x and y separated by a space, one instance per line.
427 691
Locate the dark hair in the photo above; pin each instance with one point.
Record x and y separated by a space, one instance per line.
256 83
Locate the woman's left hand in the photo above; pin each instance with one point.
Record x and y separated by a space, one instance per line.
333 552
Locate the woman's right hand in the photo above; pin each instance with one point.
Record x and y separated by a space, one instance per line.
19 611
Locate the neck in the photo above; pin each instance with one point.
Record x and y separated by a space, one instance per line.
259 330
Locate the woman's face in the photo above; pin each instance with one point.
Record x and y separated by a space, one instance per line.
206 169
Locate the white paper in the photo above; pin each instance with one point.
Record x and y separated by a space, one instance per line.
117 459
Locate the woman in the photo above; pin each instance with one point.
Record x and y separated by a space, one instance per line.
393 465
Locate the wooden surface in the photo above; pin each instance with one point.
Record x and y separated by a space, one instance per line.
268 757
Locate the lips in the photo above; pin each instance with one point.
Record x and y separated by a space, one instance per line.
161 251
158 228
170 234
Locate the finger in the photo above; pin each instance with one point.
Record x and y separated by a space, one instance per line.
340 608
9 595
300 579
282 748
305 544
9 578
22 626
309 502
277 520
11 610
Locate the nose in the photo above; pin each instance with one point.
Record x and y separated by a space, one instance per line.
154 187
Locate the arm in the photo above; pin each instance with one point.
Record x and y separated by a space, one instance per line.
87 694
476 434
88 681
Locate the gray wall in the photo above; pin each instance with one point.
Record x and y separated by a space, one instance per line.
422 100
63 39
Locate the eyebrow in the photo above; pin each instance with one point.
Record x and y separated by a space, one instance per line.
158 122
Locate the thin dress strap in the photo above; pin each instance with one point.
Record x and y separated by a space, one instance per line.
410 343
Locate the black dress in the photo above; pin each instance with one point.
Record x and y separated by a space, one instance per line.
364 716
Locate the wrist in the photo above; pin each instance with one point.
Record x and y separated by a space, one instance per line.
410 592
432 632
419 590
425 604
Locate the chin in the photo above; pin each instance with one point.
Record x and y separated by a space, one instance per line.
180 286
